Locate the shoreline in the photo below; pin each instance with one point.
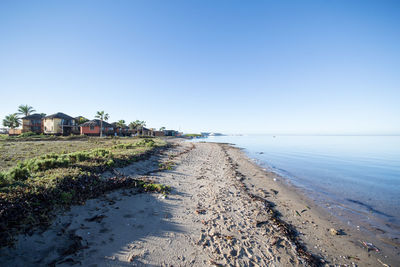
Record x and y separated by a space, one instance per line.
389 252
223 209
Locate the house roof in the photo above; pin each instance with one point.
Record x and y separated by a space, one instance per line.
59 115
95 122
35 116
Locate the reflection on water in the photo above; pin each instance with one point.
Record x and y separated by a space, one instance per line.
357 176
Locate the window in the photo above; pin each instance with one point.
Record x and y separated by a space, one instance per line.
91 127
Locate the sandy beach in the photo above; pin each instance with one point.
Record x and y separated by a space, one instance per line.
223 210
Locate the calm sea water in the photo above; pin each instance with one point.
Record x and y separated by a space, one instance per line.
356 177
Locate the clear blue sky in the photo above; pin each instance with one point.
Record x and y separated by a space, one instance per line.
226 66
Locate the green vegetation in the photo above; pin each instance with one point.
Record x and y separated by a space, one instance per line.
107 155
192 135
25 110
102 116
27 134
169 165
12 121
137 125
33 187
82 120
121 124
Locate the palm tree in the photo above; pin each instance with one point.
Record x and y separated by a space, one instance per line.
133 125
162 128
121 124
140 124
25 110
137 124
11 121
102 116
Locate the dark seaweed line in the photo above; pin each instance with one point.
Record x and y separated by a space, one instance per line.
285 228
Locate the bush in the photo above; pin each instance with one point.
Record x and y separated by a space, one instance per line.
146 142
27 134
18 173
156 188
3 180
110 163
66 197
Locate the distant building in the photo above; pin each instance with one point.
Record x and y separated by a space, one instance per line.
158 133
121 131
93 128
171 133
60 124
32 123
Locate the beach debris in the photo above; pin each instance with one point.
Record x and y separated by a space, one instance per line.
333 231
303 210
352 257
298 213
369 246
383 264
76 244
96 218
214 263
275 240
259 223
228 237
131 258
201 211
274 191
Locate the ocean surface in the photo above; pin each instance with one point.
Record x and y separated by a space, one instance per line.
356 178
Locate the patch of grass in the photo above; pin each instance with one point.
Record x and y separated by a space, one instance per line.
35 186
192 135
168 165
160 188
16 150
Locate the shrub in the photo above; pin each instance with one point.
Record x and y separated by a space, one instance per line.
157 188
18 173
110 163
3 180
27 134
146 142
66 197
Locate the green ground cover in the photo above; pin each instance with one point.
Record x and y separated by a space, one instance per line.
51 174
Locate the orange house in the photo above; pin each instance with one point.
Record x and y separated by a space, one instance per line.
93 128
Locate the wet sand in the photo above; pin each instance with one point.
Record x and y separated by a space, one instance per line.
223 210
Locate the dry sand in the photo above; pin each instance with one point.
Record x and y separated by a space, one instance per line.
220 212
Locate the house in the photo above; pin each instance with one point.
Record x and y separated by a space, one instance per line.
60 124
171 133
121 131
158 133
32 123
142 131
93 128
